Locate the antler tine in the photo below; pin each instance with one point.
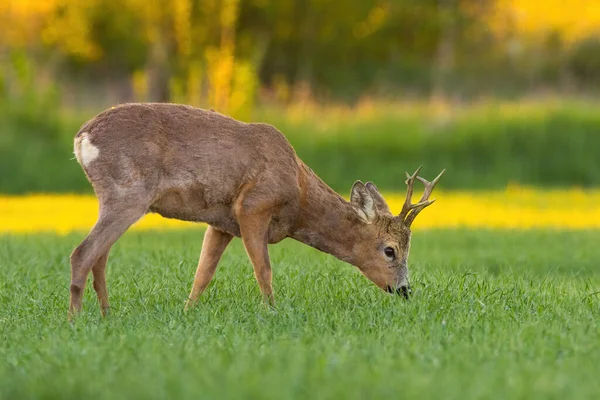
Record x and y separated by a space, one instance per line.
429 185
410 183
424 202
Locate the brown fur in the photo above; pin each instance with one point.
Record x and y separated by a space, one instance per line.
244 180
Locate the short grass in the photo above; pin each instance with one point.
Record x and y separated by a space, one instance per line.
495 315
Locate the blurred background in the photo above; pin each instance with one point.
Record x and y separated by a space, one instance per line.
499 92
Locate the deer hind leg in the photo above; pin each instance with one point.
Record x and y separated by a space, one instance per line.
99 272
91 254
213 246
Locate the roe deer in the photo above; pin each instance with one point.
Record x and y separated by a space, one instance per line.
242 179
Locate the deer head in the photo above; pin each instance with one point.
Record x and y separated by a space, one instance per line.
381 253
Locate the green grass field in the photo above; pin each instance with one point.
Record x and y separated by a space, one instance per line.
494 315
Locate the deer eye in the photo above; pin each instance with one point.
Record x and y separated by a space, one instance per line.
389 252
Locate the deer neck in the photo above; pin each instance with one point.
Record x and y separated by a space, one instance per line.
326 220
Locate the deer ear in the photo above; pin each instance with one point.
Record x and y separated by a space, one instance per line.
380 202
363 202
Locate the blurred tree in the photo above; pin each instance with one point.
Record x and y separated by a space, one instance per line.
219 52
584 63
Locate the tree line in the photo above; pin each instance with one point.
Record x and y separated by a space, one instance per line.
227 52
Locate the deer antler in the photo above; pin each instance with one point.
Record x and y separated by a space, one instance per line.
409 210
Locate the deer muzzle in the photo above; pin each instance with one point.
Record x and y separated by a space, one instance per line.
402 290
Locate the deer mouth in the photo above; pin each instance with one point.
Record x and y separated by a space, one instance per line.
404 291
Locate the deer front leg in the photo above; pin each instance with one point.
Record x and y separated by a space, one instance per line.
213 246
254 229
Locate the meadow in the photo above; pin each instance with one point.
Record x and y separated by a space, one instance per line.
504 268
495 314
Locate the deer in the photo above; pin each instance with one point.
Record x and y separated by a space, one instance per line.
241 179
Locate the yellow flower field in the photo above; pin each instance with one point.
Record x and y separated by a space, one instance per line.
513 208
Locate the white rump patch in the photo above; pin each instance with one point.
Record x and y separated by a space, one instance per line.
85 151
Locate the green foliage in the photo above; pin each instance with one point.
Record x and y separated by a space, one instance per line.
494 315
482 147
384 48
479 150
584 62
36 143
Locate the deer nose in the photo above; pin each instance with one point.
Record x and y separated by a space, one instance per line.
404 291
